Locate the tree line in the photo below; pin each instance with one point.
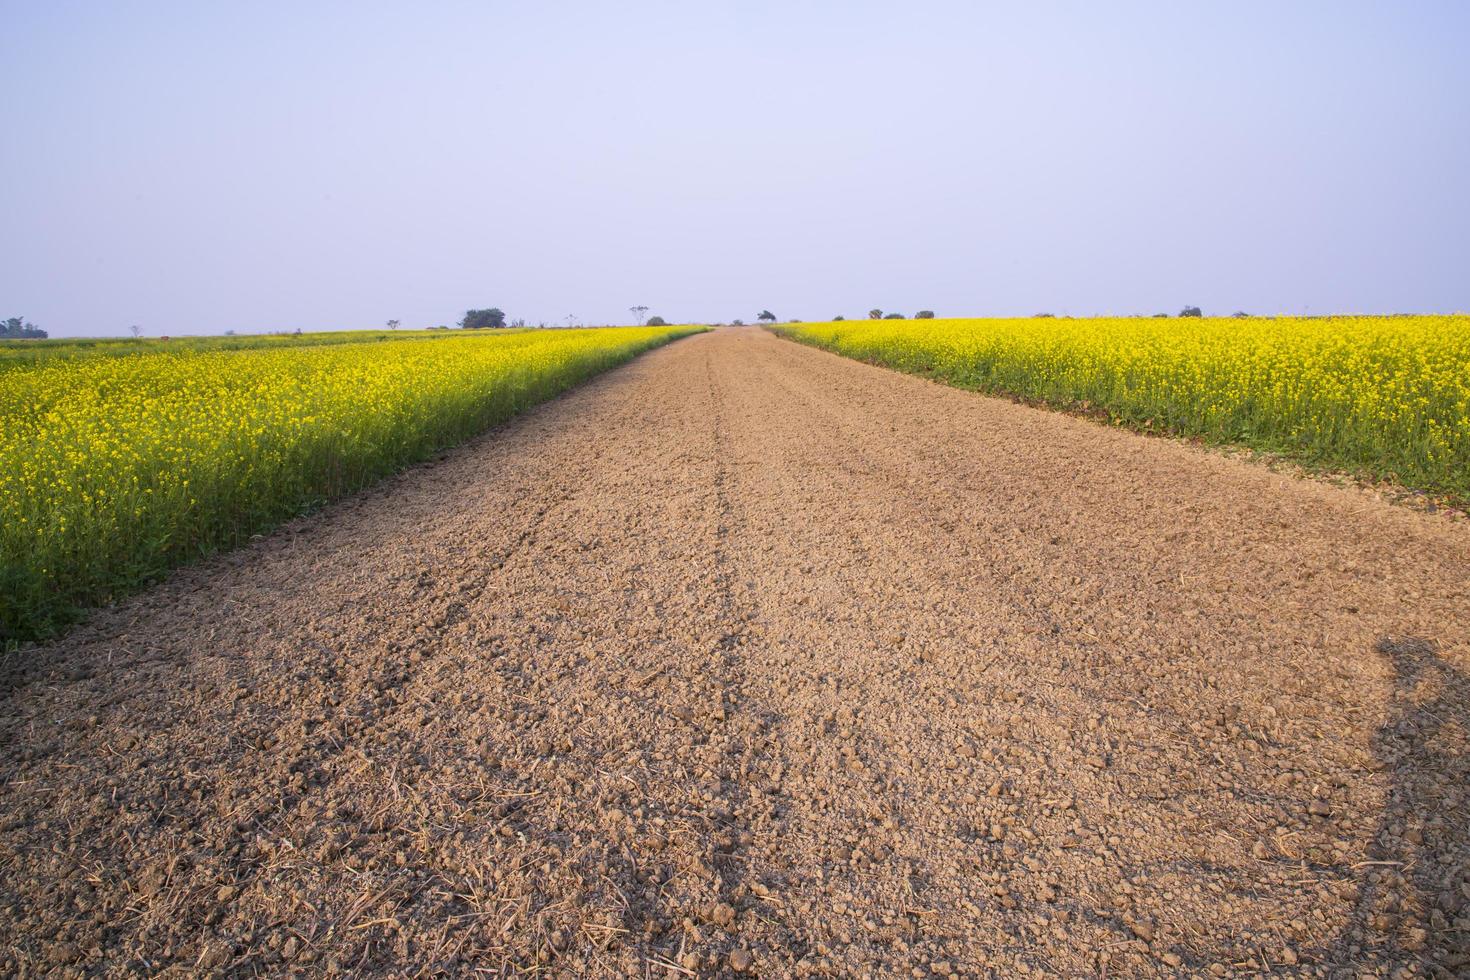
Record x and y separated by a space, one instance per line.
16 328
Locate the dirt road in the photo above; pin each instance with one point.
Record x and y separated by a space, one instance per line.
748 658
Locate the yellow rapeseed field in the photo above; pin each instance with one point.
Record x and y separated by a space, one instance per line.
113 468
1387 396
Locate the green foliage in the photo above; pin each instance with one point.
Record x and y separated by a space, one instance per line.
657 321
16 328
481 319
767 315
924 315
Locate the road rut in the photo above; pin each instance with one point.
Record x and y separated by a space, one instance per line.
748 658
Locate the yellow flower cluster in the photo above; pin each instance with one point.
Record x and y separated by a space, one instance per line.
1387 396
113 468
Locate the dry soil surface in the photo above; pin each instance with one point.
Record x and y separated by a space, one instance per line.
745 658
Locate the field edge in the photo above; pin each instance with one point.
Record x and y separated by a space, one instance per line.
1447 505
69 614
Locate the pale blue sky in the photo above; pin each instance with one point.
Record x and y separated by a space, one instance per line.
197 167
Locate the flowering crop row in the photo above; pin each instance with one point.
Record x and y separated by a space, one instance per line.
114 468
1387 396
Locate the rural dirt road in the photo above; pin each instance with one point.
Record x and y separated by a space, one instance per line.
746 658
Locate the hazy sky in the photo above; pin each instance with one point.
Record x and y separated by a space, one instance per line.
196 167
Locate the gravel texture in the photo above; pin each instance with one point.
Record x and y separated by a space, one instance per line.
745 659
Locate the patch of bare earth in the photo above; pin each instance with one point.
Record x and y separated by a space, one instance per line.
748 658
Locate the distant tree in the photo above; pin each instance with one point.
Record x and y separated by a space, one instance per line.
1241 315
16 328
638 312
924 315
1190 311
1043 316
392 324
137 331
480 319
767 315
875 314
894 316
1161 316
518 323
737 323
656 321
838 319
229 333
